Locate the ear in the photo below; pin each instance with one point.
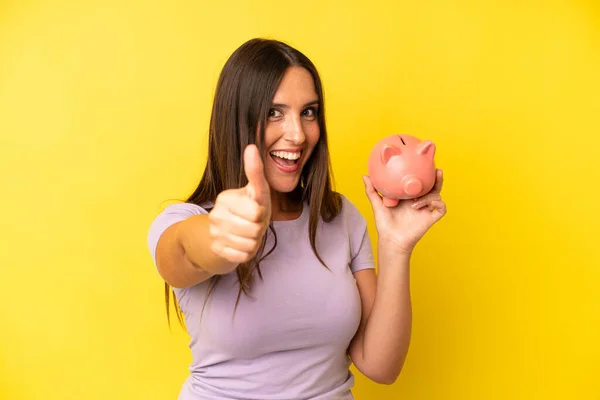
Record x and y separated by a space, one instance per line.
426 147
388 152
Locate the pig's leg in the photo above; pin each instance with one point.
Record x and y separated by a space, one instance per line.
390 202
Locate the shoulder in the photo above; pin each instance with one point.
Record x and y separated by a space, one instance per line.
347 205
361 253
183 210
349 218
177 212
171 215
351 214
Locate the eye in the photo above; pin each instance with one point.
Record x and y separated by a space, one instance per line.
310 113
274 113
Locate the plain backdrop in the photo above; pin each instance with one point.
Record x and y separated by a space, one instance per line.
104 109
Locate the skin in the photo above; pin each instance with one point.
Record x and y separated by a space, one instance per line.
241 216
381 344
193 250
292 125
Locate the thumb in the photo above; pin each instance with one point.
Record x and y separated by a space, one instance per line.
257 188
373 196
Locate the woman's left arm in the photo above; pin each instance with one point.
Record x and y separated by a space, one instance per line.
381 344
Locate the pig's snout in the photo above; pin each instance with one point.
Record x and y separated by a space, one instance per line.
412 185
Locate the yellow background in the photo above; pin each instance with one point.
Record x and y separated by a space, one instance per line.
104 110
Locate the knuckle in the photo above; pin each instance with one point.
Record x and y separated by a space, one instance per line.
244 257
215 247
217 231
252 248
256 231
224 198
221 197
216 215
254 212
212 231
233 257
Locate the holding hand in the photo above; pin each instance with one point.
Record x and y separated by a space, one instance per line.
404 225
241 217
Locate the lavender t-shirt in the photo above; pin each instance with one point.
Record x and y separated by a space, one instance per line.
289 340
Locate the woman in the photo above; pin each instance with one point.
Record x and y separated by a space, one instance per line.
271 268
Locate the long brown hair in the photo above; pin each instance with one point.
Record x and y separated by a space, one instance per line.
243 98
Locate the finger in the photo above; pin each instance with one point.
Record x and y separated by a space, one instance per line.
236 225
439 181
229 254
374 198
246 229
425 200
239 243
241 206
438 208
257 188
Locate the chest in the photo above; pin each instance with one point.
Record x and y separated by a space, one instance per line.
299 303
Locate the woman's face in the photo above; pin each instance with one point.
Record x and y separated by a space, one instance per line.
292 130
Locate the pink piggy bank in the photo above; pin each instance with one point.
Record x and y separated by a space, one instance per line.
402 167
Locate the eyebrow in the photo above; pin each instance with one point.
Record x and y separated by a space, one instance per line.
311 103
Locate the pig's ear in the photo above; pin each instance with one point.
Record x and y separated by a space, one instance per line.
426 147
388 152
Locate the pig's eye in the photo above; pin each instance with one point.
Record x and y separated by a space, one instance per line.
403 141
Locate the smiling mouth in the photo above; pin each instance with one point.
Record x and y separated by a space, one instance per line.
286 158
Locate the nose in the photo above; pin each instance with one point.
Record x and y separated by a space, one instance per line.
294 132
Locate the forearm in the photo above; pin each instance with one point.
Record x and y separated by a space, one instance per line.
193 236
388 328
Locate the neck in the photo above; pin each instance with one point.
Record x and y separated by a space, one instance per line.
286 206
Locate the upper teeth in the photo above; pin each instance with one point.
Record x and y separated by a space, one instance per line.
287 155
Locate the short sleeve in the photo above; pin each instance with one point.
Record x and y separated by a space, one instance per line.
363 258
360 243
170 215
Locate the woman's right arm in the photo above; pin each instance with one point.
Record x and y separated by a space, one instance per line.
183 253
192 250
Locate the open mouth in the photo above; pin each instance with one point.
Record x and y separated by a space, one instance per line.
286 159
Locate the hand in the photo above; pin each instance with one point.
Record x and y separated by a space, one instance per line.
404 225
240 217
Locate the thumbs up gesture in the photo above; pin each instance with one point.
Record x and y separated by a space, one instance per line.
240 217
